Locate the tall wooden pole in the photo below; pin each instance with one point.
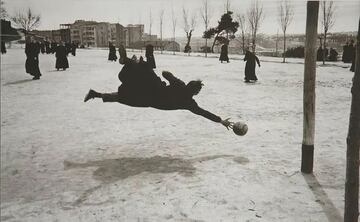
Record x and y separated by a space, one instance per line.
351 213
309 87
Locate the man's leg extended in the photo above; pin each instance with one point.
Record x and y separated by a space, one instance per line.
106 97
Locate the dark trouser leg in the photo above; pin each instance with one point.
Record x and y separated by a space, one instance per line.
110 97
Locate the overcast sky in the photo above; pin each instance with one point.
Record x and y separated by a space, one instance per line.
55 12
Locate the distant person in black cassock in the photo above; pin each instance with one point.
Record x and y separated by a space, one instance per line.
319 54
47 47
352 55
68 47
250 59
3 47
32 50
141 87
345 52
149 54
61 57
112 52
53 47
333 55
42 47
73 48
224 53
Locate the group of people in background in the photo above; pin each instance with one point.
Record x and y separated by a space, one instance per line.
33 48
329 55
61 50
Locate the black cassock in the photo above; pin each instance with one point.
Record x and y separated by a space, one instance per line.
3 47
141 87
224 53
32 51
250 59
61 58
149 54
47 47
112 53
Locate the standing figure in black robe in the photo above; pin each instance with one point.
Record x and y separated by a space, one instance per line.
112 53
141 87
250 59
3 47
68 47
352 55
73 48
42 47
149 54
319 54
32 50
47 47
333 55
224 53
345 55
61 57
53 47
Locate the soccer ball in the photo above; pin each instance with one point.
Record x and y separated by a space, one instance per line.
240 128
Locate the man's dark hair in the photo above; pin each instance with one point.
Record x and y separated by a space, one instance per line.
194 87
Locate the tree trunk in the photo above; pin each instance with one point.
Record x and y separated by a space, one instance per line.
309 87
253 43
243 41
324 55
212 47
351 213
284 47
205 48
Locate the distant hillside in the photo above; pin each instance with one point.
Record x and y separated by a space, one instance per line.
268 42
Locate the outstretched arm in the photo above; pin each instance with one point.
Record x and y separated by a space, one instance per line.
208 115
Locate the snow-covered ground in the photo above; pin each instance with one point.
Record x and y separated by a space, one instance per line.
66 160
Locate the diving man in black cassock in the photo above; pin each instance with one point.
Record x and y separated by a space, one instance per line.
250 59
141 87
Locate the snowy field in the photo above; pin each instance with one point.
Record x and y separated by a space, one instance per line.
66 160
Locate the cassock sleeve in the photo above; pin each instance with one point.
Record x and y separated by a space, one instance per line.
257 60
194 108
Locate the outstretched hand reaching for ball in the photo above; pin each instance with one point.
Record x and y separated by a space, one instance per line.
227 123
239 128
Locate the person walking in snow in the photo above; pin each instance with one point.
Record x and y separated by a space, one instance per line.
250 59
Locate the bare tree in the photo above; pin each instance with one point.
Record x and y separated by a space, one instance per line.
243 28
277 43
26 20
206 16
227 6
161 19
150 23
3 13
286 14
174 21
351 211
255 17
327 20
189 27
307 149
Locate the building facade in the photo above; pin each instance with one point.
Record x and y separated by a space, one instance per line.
99 34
